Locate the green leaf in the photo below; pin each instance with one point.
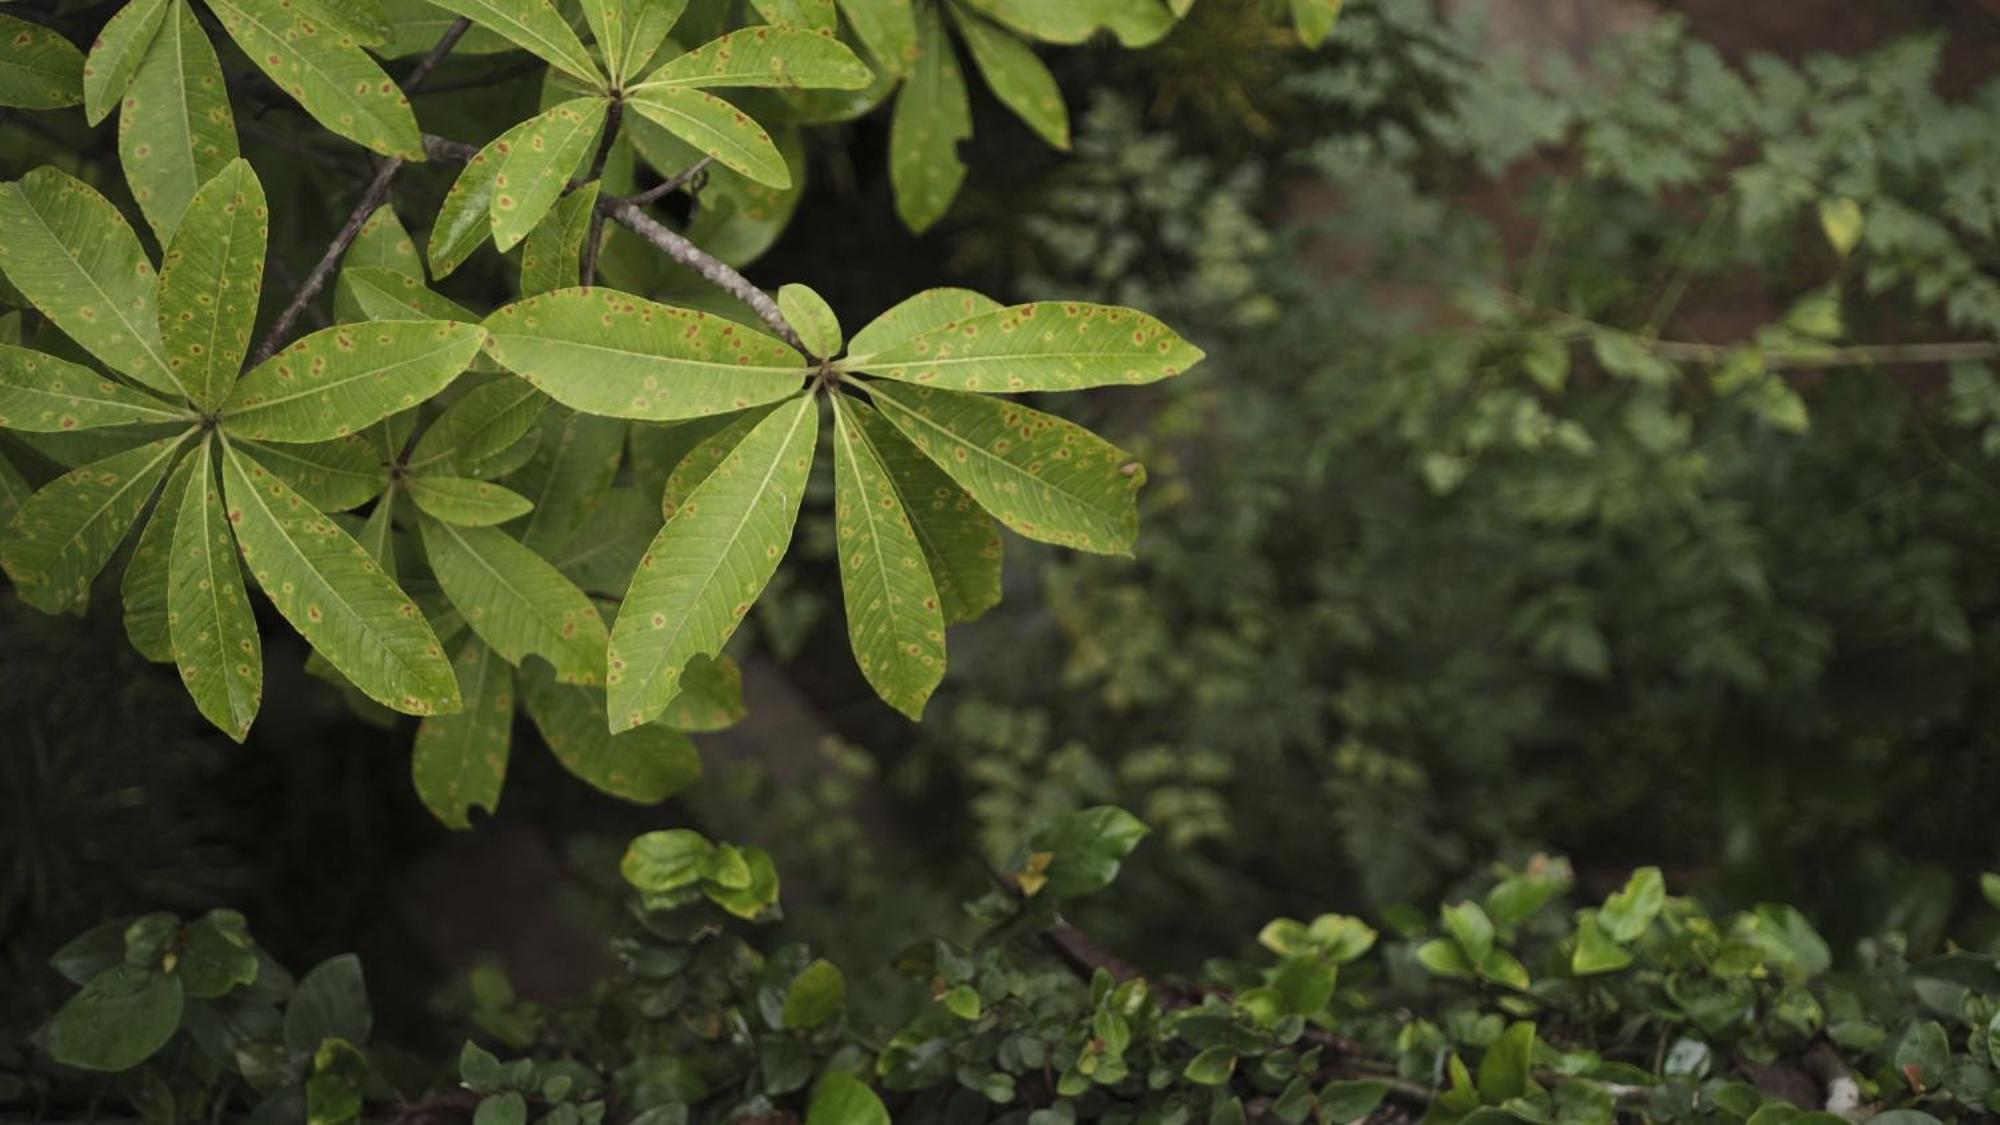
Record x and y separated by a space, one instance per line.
813 16
1989 889
629 32
786 58
65 533
466 503
715 127
339 380
665 860
1595 952
213 630
516 602
601 556
932 116
39 68
210 281
888 28
1352 1100
552 254
539 164
811 317
329 75
120 1019
1044 477
1503 1071
376 293
363 21
535 26
460 760
477 426
894 620
842 1099
333 476
14 490
382 243
699 462
605 352
1049 346
1136 23
43 394
69 251
706 568
961 543
569 476
1443 958
114 56
815 996
175 129
1470 928
336 595
331 1002
465 219
1314 19
1086 848
1018 78
645 766
1842 220
505 1108
917 315
1923 1054
145 585
1212 1067
217 956
1628 912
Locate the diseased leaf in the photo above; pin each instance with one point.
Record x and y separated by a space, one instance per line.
552 254
210 280
115 54
1018 78
1045 346
467 503
333 476
65 533
535 26
962 546
332 77
378 534
14 490
477 426
382 243
894 618
602 555
363 21
715 127
539 164
569 476
43 394
145 585
645 766
415 26
340 380
783 57
465 219
1044 477
175 129
515 601
460 760
605 352
888 28
815 16
711 697
707 566
70 253
336 595
932 116
39 69
375 293
810 316
916 315
214 632
699 462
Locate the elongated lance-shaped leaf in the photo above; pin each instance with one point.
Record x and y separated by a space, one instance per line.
605 352
536 26
715 127
812 318
378 293
175 129
479 424
708 453
338 380
363 21
888 28
539 164
515 601
65 533
816 16
39 69
1045 478
382 243
569 476
335 594
1016 76
465 219
115 54
14 490
378 533
417 25
787 58
326 71
895 620
214 633
707 566
913 316
210 279
1136 23
602 555
70 253
333 476
1045 346
552 254
932 116
629 32
144 586
961 543
42 394
460 760
466 503
644 766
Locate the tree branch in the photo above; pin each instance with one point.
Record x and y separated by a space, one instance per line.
376 194
587 267
712 269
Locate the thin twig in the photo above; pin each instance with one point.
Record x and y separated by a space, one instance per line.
587 265
660 191
713 270
376 194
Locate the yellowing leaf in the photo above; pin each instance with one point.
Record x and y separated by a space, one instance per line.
326 71
210 280
39 69
466 503
213 631
460 760
552 254
115 54
916 315
961 543
145 585
42 394
1018 78
888 28
1314 19
466 216
477 425
629 32
515 601
175 130
338 380
809 315
536 26
707 566
333 476
539 164
645 765
65 533
894 619
715 127
1046 346
932 116
1842 220
817 16
783 57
